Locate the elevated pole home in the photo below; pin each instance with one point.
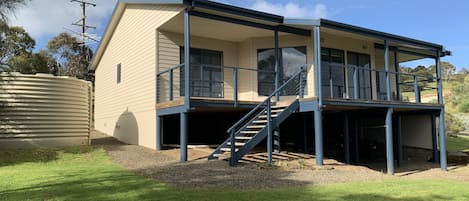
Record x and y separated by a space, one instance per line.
202 72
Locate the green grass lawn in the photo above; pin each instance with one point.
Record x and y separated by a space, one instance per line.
85 173
459 143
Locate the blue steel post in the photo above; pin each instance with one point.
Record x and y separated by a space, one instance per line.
317 111
183 115
397 70
416 90
171 83
183 137
277 83
159 130
277 65
232 148
355 83
434 139
269 133
235 90
443 163
389 143
187 62
346 140
386 66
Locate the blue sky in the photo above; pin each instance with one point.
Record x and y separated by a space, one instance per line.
442 22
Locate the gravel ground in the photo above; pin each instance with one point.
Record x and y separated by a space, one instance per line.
298 170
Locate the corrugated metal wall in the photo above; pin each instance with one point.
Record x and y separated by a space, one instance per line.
43 110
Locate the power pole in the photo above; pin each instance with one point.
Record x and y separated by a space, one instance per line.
85 57
82 21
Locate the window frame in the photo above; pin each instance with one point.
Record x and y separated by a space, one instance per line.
118 73
281 66
201 72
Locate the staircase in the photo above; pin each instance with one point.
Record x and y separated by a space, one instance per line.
260 122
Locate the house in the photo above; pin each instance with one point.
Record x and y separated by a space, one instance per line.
250 77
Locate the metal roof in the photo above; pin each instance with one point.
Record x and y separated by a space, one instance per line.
253 14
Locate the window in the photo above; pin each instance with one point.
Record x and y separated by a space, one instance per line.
332 73
206 73
364 76
291 60
118 69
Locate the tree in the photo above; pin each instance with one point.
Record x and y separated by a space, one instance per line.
447 70
14 41
464 71
7 7
72 56
32 63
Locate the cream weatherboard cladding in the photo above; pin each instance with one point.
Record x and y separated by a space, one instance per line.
43 110
127 110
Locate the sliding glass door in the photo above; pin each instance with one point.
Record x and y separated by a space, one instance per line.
332 73
362 63
206 73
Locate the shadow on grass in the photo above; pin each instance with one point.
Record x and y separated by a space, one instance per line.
121 185
42 155
99 179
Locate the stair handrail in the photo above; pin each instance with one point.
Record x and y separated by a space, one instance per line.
302 69
268 102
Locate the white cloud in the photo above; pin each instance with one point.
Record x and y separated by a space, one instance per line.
291 9
49 17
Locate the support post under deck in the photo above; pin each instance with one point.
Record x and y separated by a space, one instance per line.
159 131
318 137
346 139
443 162
183 136
318 111
389 143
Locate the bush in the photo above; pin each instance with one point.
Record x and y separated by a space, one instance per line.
453 124
464 106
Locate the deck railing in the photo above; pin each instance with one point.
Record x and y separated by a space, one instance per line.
211 81
355 82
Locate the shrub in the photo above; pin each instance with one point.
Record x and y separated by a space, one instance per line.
453 124
464 106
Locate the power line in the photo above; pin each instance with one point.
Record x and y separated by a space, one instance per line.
82 21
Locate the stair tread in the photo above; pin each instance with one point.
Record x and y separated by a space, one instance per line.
249 131
243 137
237 143
256 126
259 121
265 116
227 149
